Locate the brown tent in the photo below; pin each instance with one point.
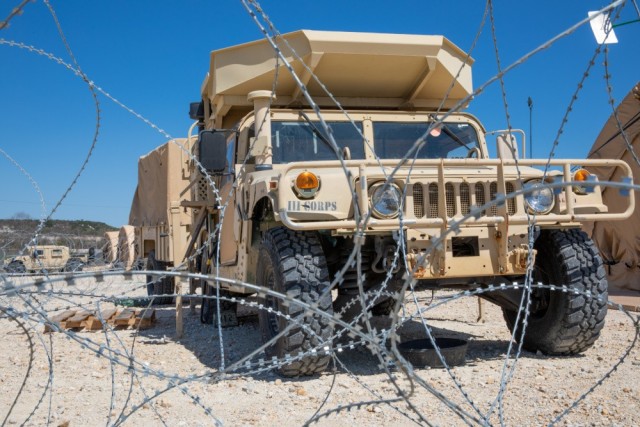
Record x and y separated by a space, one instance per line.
619 242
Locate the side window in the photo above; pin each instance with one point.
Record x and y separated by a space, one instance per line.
231 152
56 253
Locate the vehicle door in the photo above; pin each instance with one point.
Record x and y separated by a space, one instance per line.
230 217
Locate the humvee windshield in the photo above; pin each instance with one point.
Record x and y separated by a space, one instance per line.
392 140
298 141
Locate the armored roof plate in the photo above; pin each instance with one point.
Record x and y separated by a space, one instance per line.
362 70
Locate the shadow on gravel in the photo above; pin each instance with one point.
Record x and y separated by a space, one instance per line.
203 342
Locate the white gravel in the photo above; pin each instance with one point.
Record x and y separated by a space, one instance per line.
356 393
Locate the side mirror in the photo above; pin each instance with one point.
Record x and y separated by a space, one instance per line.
507 146
212 148
196 111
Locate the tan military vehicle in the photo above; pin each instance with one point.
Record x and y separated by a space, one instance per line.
158 233
42 258
403 177
81 258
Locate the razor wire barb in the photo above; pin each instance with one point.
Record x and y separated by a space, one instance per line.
26 301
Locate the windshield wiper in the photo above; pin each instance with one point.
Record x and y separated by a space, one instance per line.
453 136
450 134
315 129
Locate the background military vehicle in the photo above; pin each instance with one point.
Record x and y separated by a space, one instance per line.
158 233
299 184
81 258
48 258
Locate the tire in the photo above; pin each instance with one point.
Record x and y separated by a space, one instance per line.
16 267
293 263
563 323
209 306
384 308
348 301
156 285
349 306
206 307
74 264
138 264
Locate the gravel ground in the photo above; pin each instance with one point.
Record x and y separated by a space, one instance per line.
162 380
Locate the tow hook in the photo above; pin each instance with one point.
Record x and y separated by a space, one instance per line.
385 256
388 260
522 257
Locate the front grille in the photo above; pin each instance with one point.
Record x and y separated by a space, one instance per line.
418 201
433 200
450 198
459 198
465 199
493 190
480 197
511 203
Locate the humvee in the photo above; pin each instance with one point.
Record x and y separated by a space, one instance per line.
80 258
41 258
404 177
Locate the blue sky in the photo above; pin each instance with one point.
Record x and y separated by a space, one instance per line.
153 55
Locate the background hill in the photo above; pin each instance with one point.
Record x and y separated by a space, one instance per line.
80 234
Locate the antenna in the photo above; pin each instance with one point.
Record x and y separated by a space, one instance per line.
530 104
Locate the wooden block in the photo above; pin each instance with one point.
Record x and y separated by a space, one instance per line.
76 320
148 314
108 313
143 318
148 318
93 323
122 318
59 319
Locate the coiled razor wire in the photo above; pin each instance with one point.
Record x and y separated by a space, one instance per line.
30 302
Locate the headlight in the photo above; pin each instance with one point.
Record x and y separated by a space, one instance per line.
539 199
385 200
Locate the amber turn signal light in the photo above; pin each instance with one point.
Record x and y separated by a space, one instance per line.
581 175
307 184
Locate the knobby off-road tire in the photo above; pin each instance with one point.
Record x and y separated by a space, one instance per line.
157 285
348 303
384 308
387 304
294 264
563 323
350 307
209 306
74 264
16 267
